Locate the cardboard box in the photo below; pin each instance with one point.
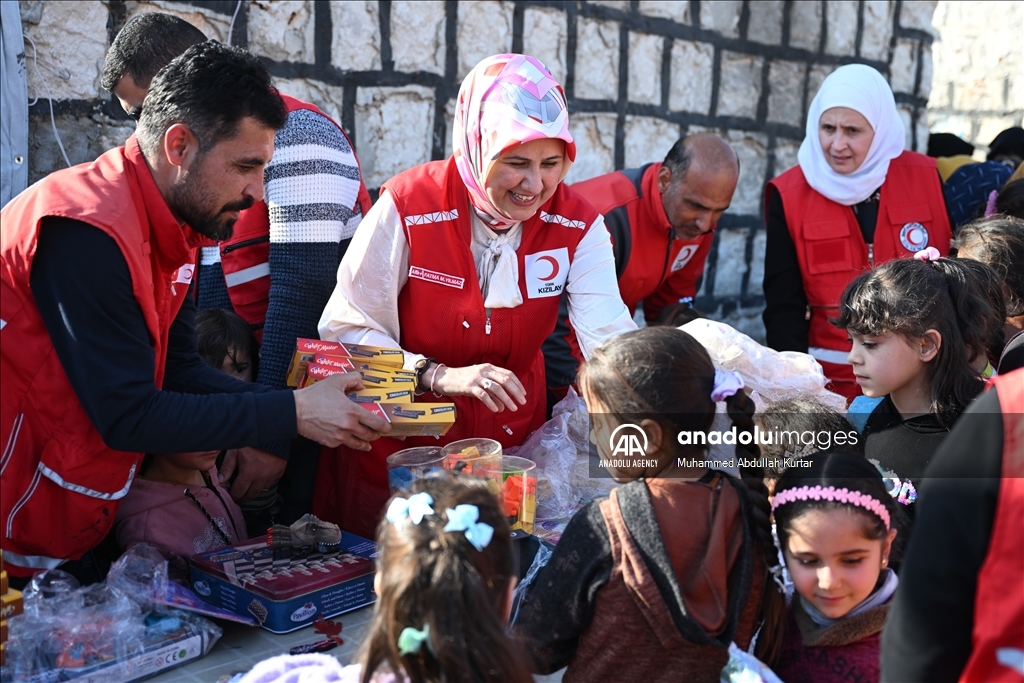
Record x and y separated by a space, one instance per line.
415 419
354 365
379 396
12 604
286 589
318 371
306 351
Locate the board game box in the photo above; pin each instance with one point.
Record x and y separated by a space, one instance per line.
285 589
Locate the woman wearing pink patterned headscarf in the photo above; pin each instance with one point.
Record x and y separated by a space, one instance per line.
462 264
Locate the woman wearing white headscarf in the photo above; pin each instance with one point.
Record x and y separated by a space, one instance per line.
857 199
461 263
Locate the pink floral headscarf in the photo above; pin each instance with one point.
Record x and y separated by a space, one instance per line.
506 100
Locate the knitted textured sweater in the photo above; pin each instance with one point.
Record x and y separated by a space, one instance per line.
312 183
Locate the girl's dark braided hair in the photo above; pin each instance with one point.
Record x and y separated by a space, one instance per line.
663 373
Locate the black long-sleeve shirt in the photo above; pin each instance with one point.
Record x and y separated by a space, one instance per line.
83 290
928 633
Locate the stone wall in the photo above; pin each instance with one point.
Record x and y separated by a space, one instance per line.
978 81
638 74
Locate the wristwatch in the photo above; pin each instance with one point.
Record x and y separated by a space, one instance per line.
421 369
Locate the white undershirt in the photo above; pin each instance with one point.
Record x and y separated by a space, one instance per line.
364 306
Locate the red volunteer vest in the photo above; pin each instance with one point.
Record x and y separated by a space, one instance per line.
832 251
245 258
61 484
998 637
442 316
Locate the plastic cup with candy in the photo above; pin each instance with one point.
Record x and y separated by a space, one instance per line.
468 454
514 481
406 466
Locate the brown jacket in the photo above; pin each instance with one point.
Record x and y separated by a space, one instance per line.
651 584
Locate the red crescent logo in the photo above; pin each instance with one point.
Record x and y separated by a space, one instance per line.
554 267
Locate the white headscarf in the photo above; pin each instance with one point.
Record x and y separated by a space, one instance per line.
864 90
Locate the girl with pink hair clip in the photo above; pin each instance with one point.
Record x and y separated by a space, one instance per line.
834 520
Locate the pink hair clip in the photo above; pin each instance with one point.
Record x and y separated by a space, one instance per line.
928 254
990 205
831 493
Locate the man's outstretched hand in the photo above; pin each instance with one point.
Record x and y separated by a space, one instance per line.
325 414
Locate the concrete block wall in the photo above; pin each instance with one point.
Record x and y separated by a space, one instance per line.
978 81
638 74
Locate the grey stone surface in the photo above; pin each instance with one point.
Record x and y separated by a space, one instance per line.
597 59
903 69
927 71
545 37
732 262
917 14
877 29
355 45
595 145
805 25
621 5
485 29
70 43
692 73
722 16
213 24
393 130
765 24
648 139
786 91
667 9
841 18
751 148
84 138
785 155
755 284
645 53
283 31
740 85
819 72
328 98
745 319
417 35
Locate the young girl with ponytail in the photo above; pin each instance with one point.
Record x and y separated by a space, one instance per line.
655 582
835 524
915 325
444 585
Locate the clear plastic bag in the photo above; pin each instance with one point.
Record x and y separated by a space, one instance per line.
770 375
744 667
104 632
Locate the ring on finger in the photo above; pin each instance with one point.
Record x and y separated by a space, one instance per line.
486 384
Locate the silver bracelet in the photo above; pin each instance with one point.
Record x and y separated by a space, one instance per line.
433 375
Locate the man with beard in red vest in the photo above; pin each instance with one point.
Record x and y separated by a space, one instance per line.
278 269
99 358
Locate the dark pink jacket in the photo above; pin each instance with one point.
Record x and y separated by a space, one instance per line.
162 515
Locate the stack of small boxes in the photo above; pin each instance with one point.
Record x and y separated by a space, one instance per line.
388 389
12 606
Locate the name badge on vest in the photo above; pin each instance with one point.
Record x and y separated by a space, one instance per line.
684 256
914 237
183 274
436 277
546 272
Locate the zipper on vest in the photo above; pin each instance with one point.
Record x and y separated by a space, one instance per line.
487 325
871 254
244 243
